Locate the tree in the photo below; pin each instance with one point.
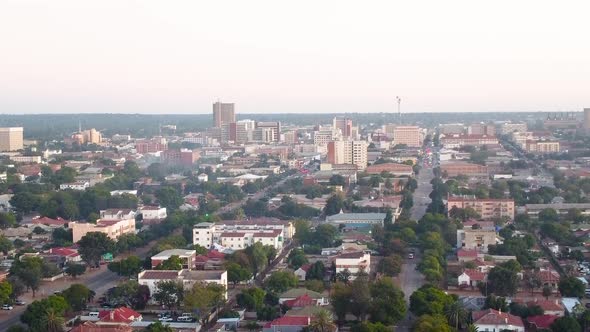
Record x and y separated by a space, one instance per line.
361 297
169 293
456 314
322 321
334 205
202 298
547 291
548 215
75 269
158 327
5 291
45 315
429 300
315 285
251 298
340 300
200 250
281 281
172 263
566 324
370 327
77 295
496 303
93 245
533 281
390 265
236 273
30 270
25 202
169 198
388 305
297 258
502 281
571 287
5 245
7 220
316 271
431 323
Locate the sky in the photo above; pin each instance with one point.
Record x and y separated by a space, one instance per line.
321 56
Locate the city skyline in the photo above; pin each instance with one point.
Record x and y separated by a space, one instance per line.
332 57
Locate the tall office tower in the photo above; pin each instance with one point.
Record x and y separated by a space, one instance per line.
481 129
408 135
11 139
223 113
348 152
344 125
587 118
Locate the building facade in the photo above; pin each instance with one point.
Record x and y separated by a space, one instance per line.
11 139
348 152
223 113
112 228
487 208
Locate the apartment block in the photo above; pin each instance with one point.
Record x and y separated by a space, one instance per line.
241 234
183 157
188 278
348 152
11 139
487 208
354 262
476 239
511 127
407 135
459 140
542 147
223 113
112 228
391 168
151 146
452 169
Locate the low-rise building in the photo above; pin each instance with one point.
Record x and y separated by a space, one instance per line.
494 320
456 168
112 228
187 256
533 210
188 278
78 185
391 168
476 239
152 213
487 208
353 262
266 230
357 220
117 214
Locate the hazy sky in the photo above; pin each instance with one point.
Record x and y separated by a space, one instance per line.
297 56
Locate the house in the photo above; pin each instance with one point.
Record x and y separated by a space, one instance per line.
494 320
301 272
69 255
112 228
57 222
354 262
478 239
288 324
295 293
549 278
212 261
187 257
302 301
471 277
466 255
152 214
118 316
202 177
188 278
550 307
569 303
541 322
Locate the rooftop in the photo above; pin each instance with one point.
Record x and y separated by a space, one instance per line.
174 252
356 216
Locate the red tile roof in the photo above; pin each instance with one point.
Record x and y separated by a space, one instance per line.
475 275
300 302
66 252
122 315
305 267
49 221
289 321
467 253
274 233
214 254
495 317
542 321
232 234
547 305
549 276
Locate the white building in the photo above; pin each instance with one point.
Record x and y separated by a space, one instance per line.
493 320
188 278
238 235
117 214
78 185
202 177
152 212
354 262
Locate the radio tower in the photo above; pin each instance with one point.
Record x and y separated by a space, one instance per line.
399 109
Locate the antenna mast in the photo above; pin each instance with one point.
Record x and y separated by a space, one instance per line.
399 109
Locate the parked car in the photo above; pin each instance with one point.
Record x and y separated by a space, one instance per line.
6 307
20 302
165 319
411 256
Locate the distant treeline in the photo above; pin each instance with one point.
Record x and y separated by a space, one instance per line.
55 126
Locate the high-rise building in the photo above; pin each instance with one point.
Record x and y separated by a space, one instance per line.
481 129
348 152
511 127
223 113
275 126
587 118
407 135
11 139
323 136
344 125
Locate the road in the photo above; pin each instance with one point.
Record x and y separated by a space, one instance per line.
99 280
422 192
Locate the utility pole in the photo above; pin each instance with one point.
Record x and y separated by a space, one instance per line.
399 109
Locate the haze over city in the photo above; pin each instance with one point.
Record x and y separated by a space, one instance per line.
303 57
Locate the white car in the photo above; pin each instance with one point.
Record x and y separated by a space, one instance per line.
6 307
166 319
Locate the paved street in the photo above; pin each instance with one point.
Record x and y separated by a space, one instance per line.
421 195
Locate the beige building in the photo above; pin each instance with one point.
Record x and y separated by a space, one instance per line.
354 262
487 208
151 278
348 152
223 113
407 135
344 125
542 146
11 139
112 228
324 136
511 127
478 239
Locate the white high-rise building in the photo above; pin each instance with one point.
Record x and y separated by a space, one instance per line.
348 152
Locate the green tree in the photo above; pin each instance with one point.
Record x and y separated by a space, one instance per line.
7 220
236 273
5 245
77 296
158 327
316 271
431 323
128 267
390 265
548 215
93 245
297 259
322 321
502 281
75 269
251 298
429 300
334 205
571 287
5 291
172 263
169 293
456 314
45 315
29 270
388 305
169 198
566 324
25 202
361 297
547 291
340 300
281 281
315 285
202 298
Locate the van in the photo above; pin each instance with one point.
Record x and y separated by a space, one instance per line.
93 314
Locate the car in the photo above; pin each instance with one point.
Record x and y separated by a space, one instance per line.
187 319
411 256
165 319
20 302
6 307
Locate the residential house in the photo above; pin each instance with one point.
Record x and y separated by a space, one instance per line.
152 214
550 307
288 324
188 278
471 277
295 293
187 257
494 320
549 278
541 322
117 214
118 316
354 262
301 272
